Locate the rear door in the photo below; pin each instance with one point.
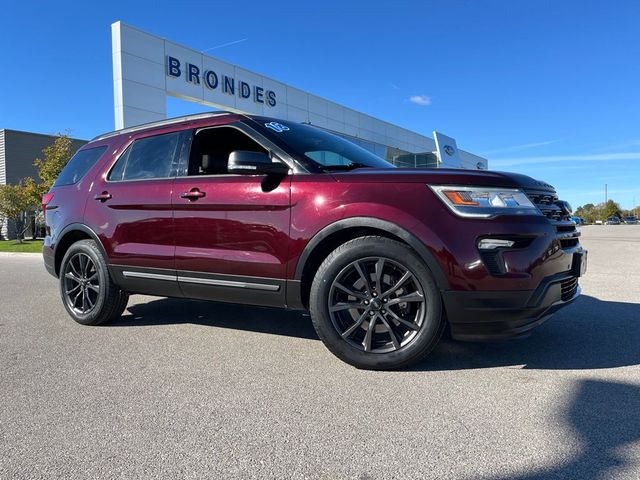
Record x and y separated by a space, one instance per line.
232 231
130 206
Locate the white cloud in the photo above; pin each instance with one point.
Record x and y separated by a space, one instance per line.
598 157
422 100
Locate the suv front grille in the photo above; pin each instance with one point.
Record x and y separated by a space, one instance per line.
569 288
548 203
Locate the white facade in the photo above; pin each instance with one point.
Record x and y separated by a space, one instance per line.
147 69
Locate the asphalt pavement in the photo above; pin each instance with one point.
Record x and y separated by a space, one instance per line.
185 389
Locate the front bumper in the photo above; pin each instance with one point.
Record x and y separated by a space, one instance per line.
497 315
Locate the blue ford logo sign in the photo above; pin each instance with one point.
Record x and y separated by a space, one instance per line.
449 150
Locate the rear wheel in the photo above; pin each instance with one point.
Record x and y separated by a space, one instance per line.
375 304
86 288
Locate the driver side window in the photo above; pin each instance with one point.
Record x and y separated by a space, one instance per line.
211 148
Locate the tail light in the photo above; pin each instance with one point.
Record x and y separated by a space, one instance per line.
46 199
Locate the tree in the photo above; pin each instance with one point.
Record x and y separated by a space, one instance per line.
588 212
15 201
33 191
610 209
602 211
55 157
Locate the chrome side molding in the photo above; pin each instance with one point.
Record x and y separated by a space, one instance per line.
202 281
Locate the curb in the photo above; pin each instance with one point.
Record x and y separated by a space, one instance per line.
19 254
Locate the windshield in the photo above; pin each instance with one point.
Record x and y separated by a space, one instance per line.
317 149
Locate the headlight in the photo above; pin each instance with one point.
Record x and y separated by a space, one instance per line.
483 202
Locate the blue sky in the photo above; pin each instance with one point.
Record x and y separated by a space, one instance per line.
546 88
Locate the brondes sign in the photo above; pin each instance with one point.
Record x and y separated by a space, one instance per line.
211 80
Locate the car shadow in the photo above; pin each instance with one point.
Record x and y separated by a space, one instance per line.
589 334
604 419
173 311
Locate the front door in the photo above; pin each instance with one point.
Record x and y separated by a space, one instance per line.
231 231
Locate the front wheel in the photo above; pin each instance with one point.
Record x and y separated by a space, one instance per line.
375 304
86 288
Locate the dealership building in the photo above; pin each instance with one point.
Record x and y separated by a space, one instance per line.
148 68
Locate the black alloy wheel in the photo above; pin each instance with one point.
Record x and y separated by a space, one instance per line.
88 292
377 305
81 283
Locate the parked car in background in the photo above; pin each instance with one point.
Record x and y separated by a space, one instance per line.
612 221
577 220
630 220
253 210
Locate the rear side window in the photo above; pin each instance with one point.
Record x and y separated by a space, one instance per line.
147 158
79 165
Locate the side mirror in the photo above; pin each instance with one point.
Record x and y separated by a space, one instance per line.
254 163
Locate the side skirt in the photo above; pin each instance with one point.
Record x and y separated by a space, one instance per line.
260 291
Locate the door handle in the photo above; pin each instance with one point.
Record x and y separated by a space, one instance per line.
103 197
193 194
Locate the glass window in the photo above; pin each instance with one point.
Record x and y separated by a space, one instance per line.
211 148
151 157
118 170
79 165
380 150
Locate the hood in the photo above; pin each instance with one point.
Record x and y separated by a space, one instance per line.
442 176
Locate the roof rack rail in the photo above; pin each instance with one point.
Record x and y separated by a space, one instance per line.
160 123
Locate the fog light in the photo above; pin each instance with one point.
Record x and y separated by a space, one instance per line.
493 243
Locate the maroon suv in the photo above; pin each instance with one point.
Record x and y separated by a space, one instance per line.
259 211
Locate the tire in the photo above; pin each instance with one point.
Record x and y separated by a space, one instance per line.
341 303
87 290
